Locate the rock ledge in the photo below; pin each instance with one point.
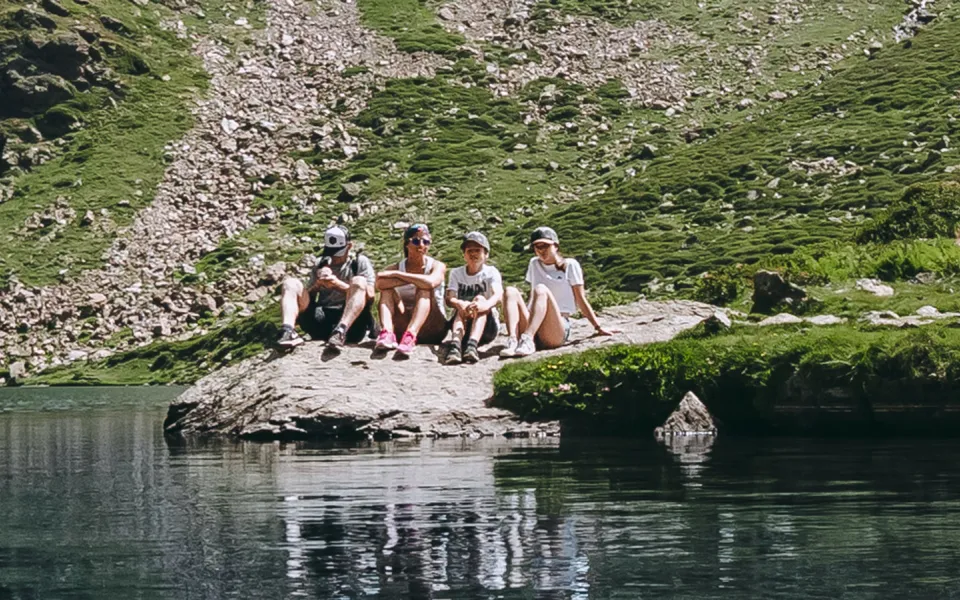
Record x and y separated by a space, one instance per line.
313 393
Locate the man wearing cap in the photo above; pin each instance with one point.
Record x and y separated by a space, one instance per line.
474 291
335 303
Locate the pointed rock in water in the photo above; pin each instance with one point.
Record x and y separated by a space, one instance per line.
690 418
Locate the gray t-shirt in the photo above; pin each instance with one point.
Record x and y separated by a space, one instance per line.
333 298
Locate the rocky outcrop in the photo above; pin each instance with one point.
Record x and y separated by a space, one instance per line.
691 417
772 291
357 392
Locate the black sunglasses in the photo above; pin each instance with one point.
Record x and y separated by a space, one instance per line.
419 241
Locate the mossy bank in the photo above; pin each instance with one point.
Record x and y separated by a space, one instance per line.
838 380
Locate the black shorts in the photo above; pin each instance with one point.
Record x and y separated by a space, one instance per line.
320 321
491 329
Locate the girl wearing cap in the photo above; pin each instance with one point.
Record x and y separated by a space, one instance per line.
411 295
474 291
556 291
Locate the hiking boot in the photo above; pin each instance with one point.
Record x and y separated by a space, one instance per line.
511 350
470 355
526 346
386 340
289 338
453 354
407 343
338 338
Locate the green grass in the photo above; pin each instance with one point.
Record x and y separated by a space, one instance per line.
116 160
772 380
710 205
173 362
410 23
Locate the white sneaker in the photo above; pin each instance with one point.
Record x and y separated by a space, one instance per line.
525 347
511 350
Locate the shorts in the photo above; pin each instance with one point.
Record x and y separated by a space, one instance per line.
320 321
567 326
491 329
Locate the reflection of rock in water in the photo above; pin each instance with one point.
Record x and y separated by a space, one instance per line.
689 449
692 451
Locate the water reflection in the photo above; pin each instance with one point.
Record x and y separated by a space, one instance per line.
96 504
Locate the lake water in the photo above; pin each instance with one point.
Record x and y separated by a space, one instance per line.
95 503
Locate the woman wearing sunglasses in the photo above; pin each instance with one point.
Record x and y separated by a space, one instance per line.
556 291
411 296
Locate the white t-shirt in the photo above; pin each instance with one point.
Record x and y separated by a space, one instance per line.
560 283
483 283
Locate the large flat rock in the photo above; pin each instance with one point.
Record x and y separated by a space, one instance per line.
313 392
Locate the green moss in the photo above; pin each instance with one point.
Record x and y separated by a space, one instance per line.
924 211
411 24
743 377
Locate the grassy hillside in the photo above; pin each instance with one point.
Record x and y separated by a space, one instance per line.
648 201
109 154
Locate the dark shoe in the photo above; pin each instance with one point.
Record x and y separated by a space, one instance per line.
289 338
338 338
453 355
470 355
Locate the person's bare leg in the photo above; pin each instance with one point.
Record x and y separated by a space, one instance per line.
356 300
434 327
514 312
479 322
546 322
294 299
390 305
456 329
421 310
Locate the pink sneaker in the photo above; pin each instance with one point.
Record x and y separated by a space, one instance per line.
386 340
407 343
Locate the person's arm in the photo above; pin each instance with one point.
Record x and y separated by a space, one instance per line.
451 300
485 304
580 295
424 282
387 279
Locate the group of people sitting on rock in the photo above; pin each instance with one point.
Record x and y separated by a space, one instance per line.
336 303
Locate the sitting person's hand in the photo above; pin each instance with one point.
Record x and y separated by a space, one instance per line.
472 309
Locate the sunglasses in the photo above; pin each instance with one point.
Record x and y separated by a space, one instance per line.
420 241
539 247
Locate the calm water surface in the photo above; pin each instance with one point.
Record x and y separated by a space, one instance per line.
95 503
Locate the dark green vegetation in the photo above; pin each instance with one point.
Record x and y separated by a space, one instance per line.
109 154
411 24
778 380
173 362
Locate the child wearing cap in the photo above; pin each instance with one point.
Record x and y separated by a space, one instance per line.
556 291
411 296
474 290
335 304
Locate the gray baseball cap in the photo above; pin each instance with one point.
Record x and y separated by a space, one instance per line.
476 237
544 233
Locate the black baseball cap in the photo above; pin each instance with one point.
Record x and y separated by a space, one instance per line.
544 233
